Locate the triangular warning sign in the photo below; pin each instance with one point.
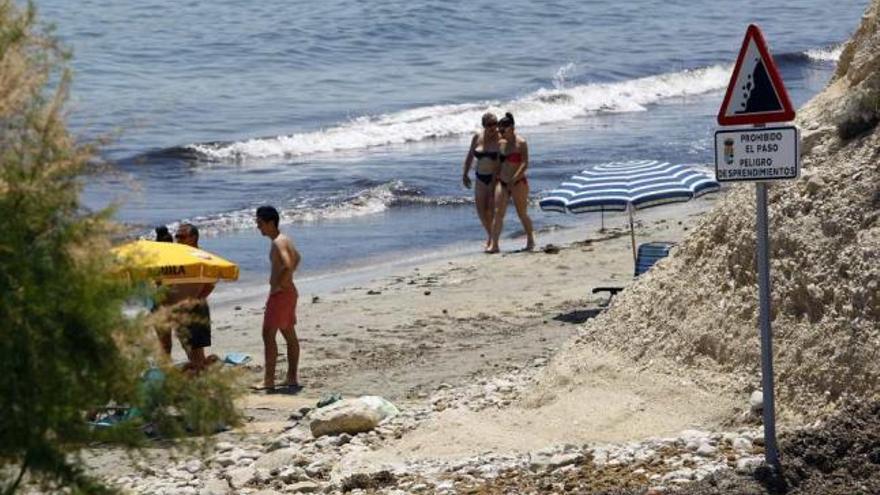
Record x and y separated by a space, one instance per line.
755 94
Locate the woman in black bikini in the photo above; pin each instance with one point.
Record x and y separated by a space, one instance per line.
512 182
484 147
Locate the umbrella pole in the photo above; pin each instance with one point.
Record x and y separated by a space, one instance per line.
602 230
632 233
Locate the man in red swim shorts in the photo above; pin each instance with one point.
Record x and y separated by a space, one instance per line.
281 305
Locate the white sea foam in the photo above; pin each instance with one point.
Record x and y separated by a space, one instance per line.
367 201
563 74
541 107
827 54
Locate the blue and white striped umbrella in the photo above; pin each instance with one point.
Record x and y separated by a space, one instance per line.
631 185
618 186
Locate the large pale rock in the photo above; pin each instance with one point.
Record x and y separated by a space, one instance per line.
224 446
292 474
351 416
303 487
278 459
706 449
239 478
741 444
745 465
549 463
193 466
215 486
756 401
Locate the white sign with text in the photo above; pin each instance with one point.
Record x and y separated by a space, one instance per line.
759 154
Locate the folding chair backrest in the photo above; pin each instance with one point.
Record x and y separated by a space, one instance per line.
650 253
647 254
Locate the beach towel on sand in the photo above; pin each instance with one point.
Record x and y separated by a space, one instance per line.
236 358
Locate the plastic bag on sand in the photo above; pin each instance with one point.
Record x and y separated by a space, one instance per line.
386 408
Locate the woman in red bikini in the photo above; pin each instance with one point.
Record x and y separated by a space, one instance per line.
512 182
484 147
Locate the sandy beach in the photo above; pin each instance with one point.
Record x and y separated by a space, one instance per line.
435 336
407 330
403 332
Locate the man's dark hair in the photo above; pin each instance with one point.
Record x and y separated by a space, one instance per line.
268 214
191 229
162 234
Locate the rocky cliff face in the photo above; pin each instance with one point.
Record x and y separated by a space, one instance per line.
698 309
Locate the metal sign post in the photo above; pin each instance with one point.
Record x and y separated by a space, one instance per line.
771 453
756 95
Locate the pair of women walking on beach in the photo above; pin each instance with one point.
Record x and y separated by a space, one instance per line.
502 159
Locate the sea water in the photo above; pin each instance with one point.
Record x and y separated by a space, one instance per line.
354 117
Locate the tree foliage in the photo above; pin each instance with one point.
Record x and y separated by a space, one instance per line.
65 346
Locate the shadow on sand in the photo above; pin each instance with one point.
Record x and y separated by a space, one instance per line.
577 316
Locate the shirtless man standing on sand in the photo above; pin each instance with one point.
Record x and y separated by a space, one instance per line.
281 305
189 307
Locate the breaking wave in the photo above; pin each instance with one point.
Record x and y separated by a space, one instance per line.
562 102
827 54
359 202
436 121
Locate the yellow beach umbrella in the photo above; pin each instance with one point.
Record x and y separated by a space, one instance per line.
174 263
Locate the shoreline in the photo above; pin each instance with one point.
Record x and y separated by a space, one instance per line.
330 280
398 328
